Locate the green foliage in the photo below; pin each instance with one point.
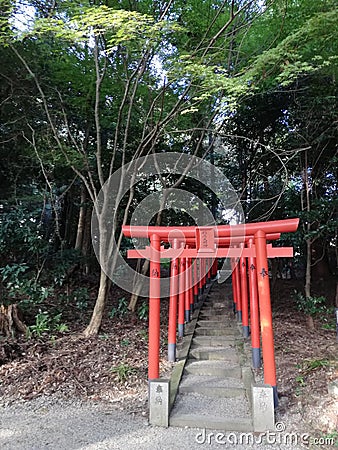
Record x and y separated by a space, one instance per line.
329 326
11 274
300 380
63 261
41 325
123 371
309 48
305 368
32 266
21 289
81 297
310 305
7 8
22 234
44 324
310 365
263 88
210 79
104 336
120 310
120 27
143 310
144 334
328 319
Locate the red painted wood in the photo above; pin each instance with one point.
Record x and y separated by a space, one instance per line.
275 226
154 309
244 292
265 310
174 274
254 307
272 252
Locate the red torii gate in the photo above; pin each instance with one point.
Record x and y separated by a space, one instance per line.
206 244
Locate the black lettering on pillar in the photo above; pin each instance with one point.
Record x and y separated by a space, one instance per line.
264 273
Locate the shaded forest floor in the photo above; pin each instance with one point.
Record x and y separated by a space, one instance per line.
113 366
307 364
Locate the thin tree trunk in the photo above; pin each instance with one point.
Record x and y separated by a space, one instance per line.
309 318
135 295
81 220
212 176
68 222
96 319
86 247
138 287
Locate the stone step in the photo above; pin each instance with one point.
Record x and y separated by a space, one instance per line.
213 313
226 413
225 323
217 318
190 382
216 368
232 407
211 393
210 307
208 331
214 341
214 391
211 423
205 353
216 304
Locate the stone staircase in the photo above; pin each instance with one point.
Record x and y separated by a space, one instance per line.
213 391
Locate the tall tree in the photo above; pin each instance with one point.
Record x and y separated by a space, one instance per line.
113 82
104 98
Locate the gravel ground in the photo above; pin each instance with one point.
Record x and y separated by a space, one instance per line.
54 424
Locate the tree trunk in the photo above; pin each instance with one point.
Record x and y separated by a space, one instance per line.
96 319
310 323
81 220
135 295
309 319
212 177
307 287
137 288
320 263
86 247
336 311
308 269
68 220
10 322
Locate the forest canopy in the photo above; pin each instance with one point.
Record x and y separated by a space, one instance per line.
87 87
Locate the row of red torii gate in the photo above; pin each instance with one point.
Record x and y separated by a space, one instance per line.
194 253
